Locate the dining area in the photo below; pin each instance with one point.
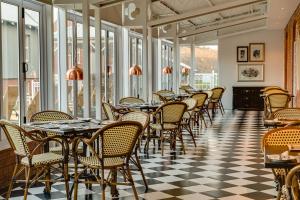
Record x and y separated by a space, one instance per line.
98 151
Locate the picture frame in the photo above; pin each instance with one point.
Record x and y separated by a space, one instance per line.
257 52
251 72
242 54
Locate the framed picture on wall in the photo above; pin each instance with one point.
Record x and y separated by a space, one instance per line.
242 54
250 72
257 52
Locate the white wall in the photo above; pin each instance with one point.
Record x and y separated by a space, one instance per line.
274 60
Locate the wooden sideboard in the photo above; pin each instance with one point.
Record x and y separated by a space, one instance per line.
247 98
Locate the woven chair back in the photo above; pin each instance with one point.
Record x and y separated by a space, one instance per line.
191 103
16 138
50 115
286 113
108 111
131 100
172 112
277 140
165 92
137 116
276 101
200 98
274 90
118 139
217 93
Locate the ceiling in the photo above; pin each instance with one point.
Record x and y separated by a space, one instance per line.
213 18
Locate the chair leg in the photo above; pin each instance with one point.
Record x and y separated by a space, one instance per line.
11 182
181 139
139 166
203 119
27 183
66 177
162 144
75 179
130 179
207 112
189 129
102 185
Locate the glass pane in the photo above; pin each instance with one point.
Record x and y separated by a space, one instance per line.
10 59
70 63
103 64
93 72
206 67
110 69
185 62
79 33
55 69
32 58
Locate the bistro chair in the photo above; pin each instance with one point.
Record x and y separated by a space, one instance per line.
215 99
131 100
270 87
188 116
276 101
169 124
109 112
201 108
167 94
143 119
117 142
291 189
277 141
157 98
51 115
274 90
33 161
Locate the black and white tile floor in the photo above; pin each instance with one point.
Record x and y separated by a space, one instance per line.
227 164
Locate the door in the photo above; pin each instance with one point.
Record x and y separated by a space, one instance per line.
21 59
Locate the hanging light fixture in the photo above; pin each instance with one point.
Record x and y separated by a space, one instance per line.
74 73
185 71
135 70
168 70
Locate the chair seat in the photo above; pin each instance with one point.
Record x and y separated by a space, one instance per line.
93 162
58 149
43 159
165 127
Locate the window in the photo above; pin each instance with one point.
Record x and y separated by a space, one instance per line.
136 58
167 61
206 67
185 64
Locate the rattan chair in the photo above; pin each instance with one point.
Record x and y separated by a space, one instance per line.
157 98
216 99
291 190
270 87
276 101
274 90
131 100
188 116
32 161
143 119
276 141
201 108
117 142
170 123
51 115
109 112
167 94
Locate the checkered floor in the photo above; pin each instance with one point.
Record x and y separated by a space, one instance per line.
226 164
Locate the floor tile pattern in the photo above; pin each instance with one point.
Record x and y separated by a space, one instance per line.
227 164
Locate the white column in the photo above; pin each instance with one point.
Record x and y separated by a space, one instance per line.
124 58
159 64
86 58
149 66
98 61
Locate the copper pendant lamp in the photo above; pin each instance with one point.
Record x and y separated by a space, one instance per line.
74 73
185 71
135 70
168 70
